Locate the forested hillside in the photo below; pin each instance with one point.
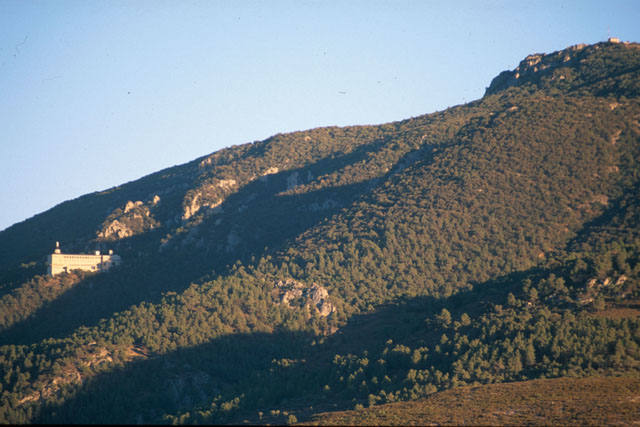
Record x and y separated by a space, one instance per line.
340 268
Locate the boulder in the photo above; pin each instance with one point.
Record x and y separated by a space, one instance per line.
314 298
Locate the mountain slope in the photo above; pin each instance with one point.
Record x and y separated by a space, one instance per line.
461 247
590 401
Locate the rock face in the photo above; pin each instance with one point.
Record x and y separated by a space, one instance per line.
90 355
607 281
272 170
115 230
552 68
133 218
209 195
131 205
192 207
532 66
296 294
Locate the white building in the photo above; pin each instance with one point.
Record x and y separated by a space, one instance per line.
60 263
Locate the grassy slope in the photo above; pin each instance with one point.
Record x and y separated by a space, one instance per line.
558 401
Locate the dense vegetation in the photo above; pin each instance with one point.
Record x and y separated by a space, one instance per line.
493 242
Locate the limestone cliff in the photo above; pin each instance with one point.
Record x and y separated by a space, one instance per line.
133 218
314 298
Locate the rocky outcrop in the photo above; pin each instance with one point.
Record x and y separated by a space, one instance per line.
314 298
131 205
607 281
532 66
209 195
601 199
272 170
191 207
115 230
87 358
206 162
551 69
133 218
615 137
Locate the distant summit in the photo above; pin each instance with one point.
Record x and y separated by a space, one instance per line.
572 68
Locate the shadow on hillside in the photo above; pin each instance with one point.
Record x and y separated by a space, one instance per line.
264 372
256 221
72 221
609 223
14 278
280 371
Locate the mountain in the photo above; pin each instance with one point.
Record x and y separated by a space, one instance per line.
496 241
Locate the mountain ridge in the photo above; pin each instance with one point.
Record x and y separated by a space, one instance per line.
468 246
543 70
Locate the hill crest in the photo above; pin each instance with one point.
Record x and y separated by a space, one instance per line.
554 69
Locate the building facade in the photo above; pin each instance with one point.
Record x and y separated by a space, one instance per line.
60 263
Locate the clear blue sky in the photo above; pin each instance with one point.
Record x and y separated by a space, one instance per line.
97 93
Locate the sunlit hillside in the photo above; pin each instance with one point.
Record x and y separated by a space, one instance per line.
349 268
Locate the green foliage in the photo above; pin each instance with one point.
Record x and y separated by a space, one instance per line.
492 242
